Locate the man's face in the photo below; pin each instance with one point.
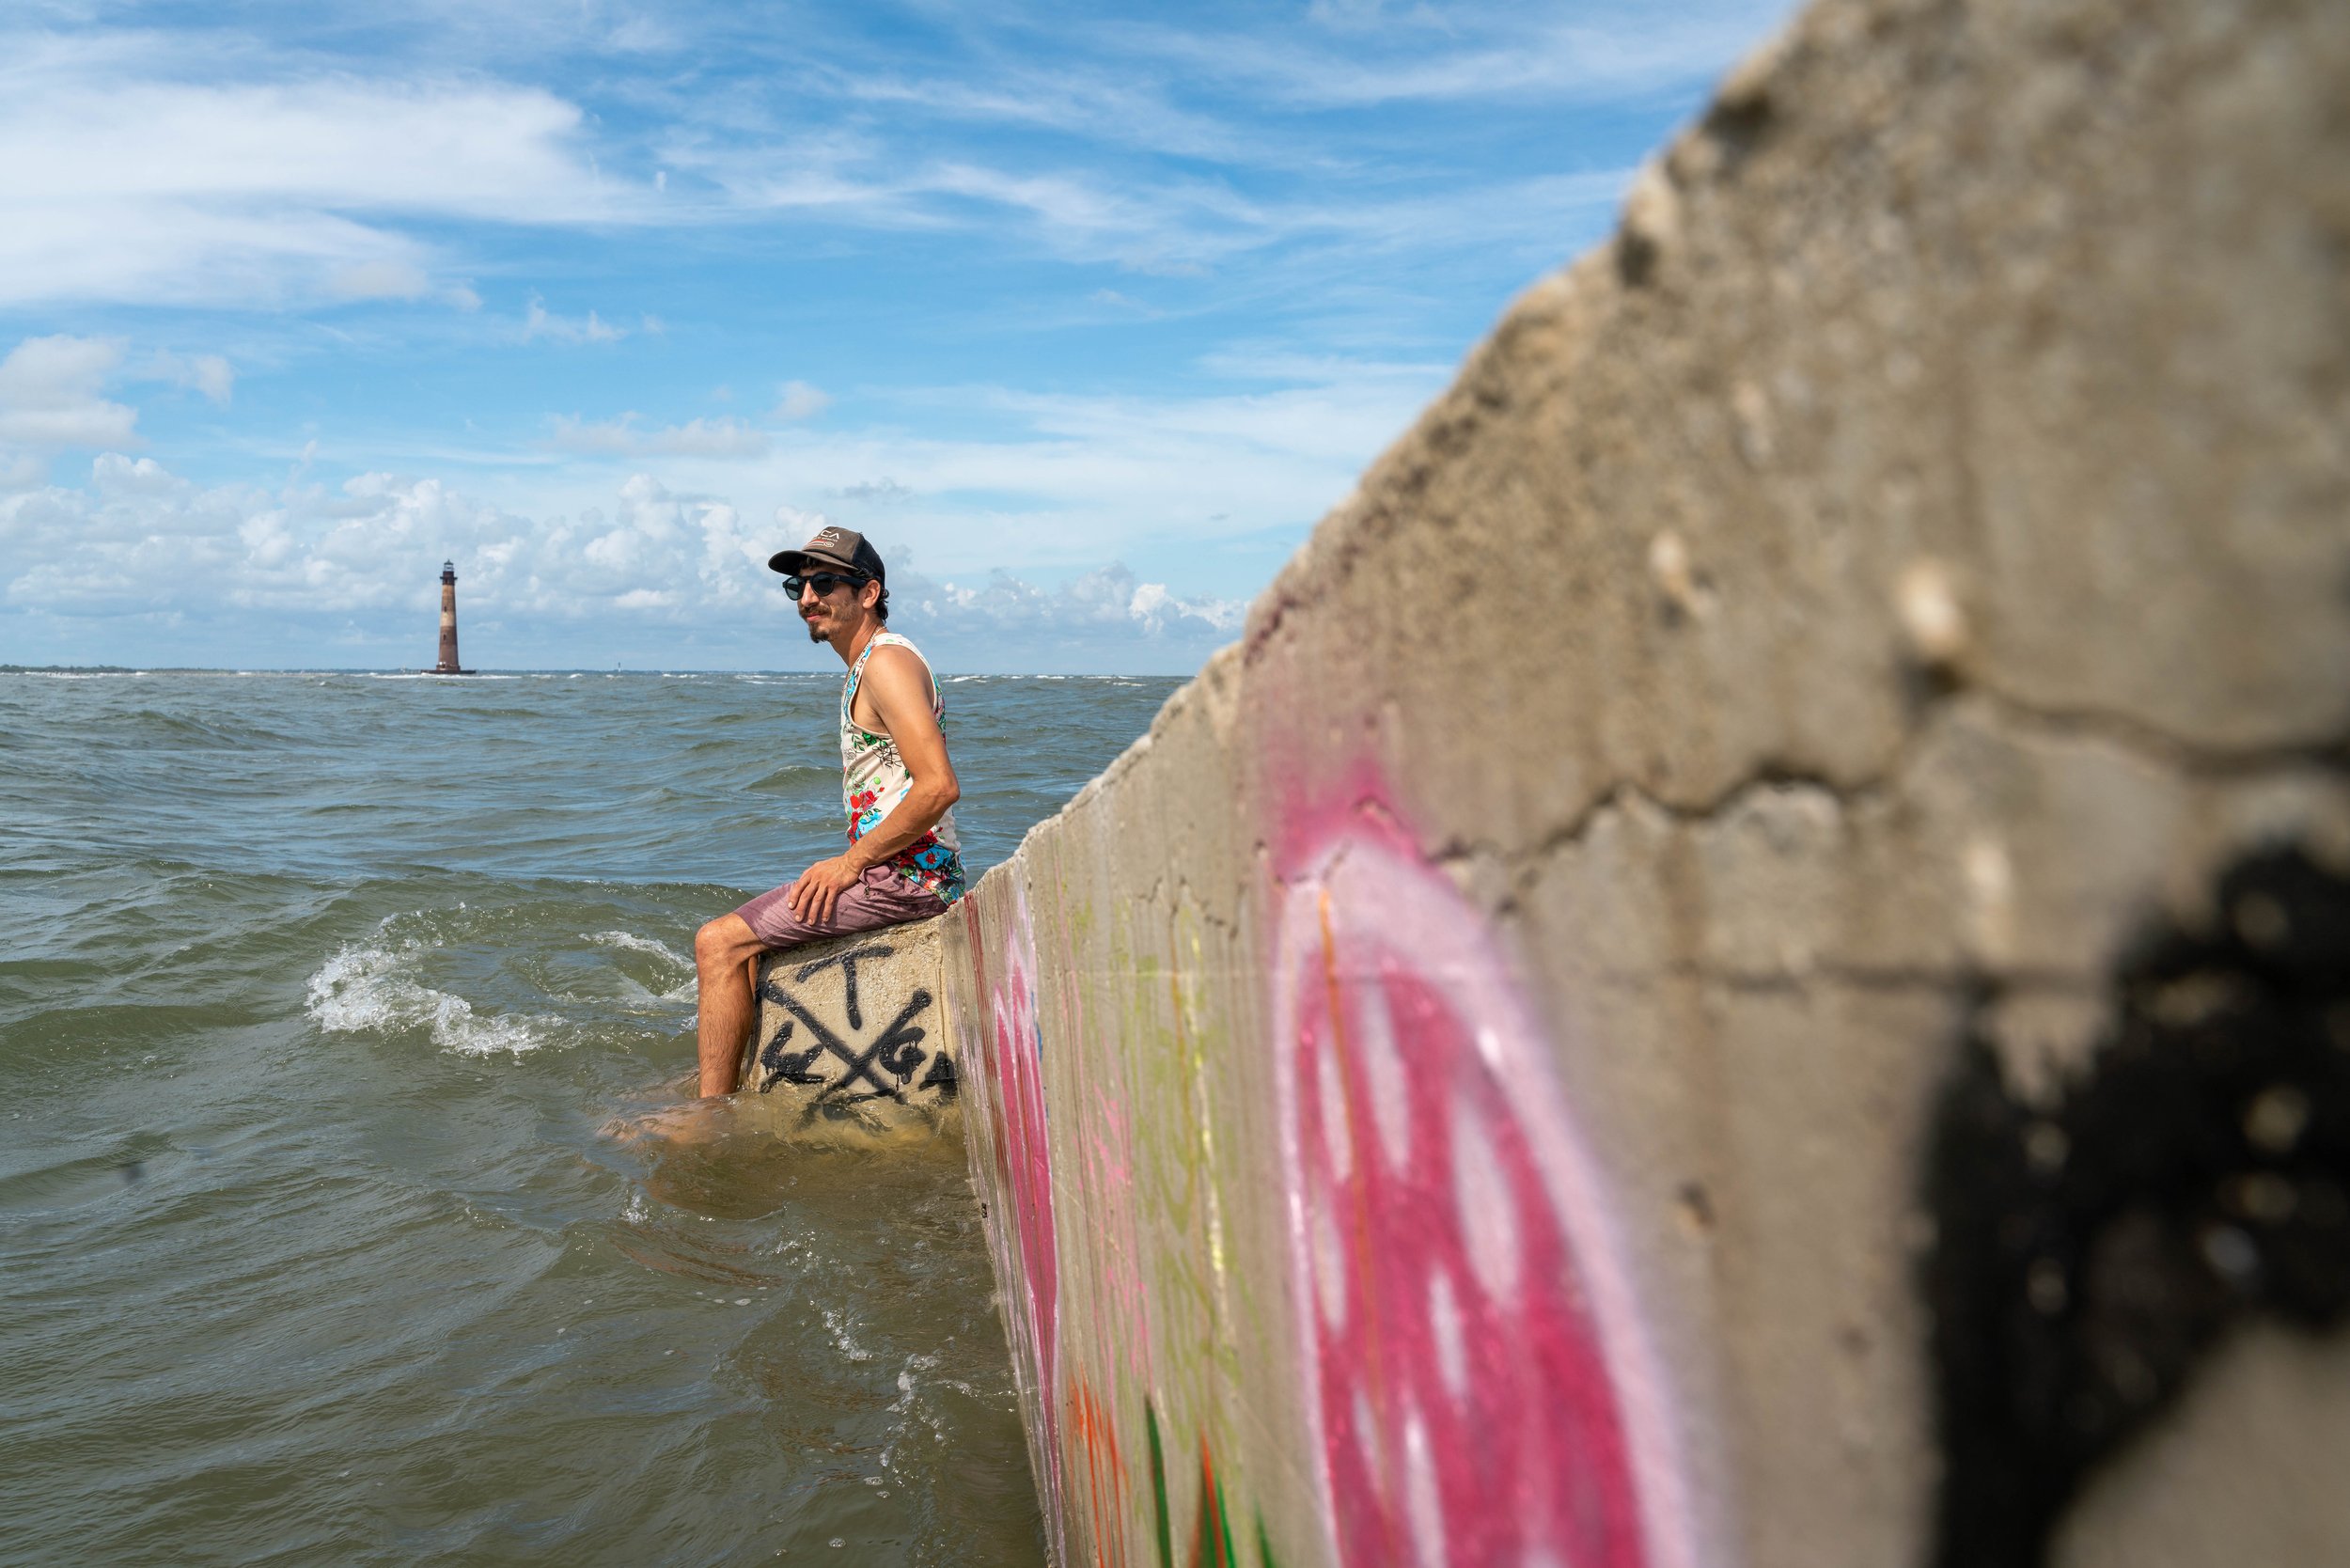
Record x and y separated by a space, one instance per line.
825 599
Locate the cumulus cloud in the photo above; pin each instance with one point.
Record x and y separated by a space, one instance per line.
1107 604
674 574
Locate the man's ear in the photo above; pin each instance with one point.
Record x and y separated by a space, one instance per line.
870 594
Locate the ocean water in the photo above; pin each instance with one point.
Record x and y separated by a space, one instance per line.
320 998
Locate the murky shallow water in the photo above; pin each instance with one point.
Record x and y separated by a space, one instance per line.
318 996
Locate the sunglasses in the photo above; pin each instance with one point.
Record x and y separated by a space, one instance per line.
823 582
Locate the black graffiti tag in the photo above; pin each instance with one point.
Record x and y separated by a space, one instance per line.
2090 1255
896 1050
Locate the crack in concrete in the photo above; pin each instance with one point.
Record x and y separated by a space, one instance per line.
2126 734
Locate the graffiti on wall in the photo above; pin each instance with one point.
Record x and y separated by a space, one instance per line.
825 1033
1472 1357
2089 1254
1006 1069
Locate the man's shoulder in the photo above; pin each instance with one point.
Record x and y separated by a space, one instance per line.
898 665
899 652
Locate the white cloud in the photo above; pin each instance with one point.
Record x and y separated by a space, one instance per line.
538 321
206 373
1099 609
802 401
120 181
50 394
721 437
1053 483
52 398
379 280
1417 54
657 567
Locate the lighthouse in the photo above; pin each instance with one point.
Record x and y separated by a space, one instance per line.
448 665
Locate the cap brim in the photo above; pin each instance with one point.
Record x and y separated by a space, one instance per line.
794 563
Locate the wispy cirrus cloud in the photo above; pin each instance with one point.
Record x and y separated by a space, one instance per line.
123 178
135 167
1366 55
724 437
539 322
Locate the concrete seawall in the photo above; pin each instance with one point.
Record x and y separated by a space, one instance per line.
1746 962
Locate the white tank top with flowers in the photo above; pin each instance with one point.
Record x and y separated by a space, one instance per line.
874 780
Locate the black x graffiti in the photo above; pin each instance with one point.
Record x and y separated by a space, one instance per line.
847 963
897 1050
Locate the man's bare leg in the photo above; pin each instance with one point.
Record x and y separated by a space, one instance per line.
725 956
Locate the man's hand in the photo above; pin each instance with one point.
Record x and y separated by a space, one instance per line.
819 888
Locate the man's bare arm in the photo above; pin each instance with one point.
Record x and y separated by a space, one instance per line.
899 688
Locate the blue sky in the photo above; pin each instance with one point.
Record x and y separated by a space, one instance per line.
1084 314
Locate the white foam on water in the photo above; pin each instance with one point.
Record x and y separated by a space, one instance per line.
634 942
412 675
842 1338
909 1408
685 990
366 989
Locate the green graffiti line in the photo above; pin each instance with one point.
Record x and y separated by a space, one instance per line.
1158 1486
1211 1537
1211 1544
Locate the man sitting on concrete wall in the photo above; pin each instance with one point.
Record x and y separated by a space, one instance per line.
897 785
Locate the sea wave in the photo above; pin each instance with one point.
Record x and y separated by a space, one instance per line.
634 942
410 675
366 988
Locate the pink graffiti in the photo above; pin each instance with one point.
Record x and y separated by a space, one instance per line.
1009 1088
1475 1365
1023 1158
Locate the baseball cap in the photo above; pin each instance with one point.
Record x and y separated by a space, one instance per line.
842 549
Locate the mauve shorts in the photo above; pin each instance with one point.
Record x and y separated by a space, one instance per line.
882 897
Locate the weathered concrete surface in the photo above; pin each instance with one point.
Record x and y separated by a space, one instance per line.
1487 1078
849 1035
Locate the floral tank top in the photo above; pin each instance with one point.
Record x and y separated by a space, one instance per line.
873 780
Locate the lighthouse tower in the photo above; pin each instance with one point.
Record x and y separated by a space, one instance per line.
448 665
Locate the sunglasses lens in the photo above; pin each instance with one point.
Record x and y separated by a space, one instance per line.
822 582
